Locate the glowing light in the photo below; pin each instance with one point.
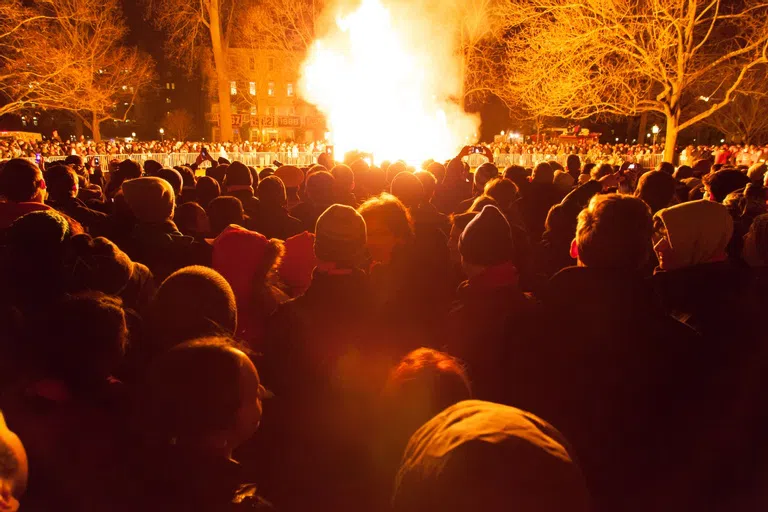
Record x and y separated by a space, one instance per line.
655 129
384 84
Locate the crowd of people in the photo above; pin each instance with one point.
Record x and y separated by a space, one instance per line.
348 337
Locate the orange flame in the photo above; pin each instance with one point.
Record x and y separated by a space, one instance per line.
385 85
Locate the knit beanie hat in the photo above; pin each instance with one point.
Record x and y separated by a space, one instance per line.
340 236
487 239
698 230
150 199
173 177
129 169
238 174
291 176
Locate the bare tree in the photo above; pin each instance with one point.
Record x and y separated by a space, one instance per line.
79 65
746 116
581 58
179 124
192 27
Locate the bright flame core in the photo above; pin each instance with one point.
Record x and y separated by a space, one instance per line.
384 84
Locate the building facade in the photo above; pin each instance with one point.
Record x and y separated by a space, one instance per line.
264 99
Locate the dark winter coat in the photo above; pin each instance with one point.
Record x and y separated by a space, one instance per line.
275 222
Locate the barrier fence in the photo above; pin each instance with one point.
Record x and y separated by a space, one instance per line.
266 159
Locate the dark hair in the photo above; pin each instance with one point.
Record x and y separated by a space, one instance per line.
517 175
192 390
343 176
186 215
151 167
223 211
573 163
722 183
481 202
603 170
437 170
191 303
428 184
217 172
61 181
614 231
319 188
666 167
20 180
187 176
656 188
408 189
683 173
207 189
272 192
84 338
587 169
173 177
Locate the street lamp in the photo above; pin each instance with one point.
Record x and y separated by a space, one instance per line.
162 134
655 131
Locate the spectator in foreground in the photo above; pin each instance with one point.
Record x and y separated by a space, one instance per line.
274 220
62 186
480 452
23 188
721 183
14 468
200 401
537 199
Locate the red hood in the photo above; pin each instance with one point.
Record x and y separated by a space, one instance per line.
10 211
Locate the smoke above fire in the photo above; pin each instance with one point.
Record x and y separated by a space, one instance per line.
387 77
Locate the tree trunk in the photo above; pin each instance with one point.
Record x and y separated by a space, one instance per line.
222 78
96 128
671 138
643 126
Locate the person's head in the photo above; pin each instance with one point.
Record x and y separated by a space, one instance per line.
599 172
325 160
223 211
395 169
191 303
217 172
721 183
408 189
237 177
459 221
437 170
14 468
84 339
701 168
756 173
755 250
543 173
187 176
207 189
478 452
76 161
573 164
503 191
61 182
555 165
173 177
613 232
266 172
150 199
151 167
683 172
272 193
128 170
341 237
344 178
587 168
666 167
657 189
192 220
485 173
319 188
21 181
517 175
563 181
428 183
422 384
204 394
388 225
486 241
692 233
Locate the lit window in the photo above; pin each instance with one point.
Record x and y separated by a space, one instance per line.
253 111
252 88
271 89
233 88
167 85
173 86
290 89
271 63
125 87
167 100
